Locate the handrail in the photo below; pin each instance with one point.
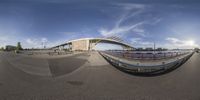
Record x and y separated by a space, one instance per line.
142 68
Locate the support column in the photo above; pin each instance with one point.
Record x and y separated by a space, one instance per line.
92 45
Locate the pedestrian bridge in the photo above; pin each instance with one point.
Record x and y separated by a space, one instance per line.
86 44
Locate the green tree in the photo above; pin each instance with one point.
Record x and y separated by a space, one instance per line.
19 47
2 49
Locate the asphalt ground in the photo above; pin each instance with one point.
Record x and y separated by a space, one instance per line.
89 77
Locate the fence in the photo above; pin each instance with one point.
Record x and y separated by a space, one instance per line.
45 52
147 55
145 69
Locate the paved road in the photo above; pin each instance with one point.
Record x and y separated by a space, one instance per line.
90 77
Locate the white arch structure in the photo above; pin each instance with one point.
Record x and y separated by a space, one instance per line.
86 44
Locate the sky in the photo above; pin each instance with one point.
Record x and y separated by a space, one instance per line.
140 23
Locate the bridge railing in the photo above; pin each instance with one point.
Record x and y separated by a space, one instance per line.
146 55
45 52
139 68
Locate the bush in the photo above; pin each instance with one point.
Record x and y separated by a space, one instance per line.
2 49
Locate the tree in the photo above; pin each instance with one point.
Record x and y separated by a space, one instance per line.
19 47
2 49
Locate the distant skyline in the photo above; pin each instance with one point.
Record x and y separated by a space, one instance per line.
168 23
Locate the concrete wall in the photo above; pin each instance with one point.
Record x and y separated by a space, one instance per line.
92 46
80 45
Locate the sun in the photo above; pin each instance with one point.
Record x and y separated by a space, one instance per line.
190 43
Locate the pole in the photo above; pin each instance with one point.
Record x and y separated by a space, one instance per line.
154 47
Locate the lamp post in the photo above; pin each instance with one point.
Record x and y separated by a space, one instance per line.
154 48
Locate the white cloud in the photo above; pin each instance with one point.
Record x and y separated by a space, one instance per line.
171 43
32 43
2 44
119 31
55 43
139 42
155 21
183 44
128 14
173 40
140 31
131 10
29 41
44 40
104 46
35 42
129 6
3 38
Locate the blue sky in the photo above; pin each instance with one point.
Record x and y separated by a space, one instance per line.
168 23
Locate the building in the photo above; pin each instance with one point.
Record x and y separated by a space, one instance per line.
10 48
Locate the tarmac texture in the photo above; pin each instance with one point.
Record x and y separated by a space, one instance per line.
88 76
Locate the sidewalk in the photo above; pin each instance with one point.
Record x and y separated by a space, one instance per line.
96 59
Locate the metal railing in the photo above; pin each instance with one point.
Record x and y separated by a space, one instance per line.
47 52
151 69
147 55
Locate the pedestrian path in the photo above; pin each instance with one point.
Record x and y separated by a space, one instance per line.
96 59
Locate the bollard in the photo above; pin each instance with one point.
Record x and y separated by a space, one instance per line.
138 69
119 64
